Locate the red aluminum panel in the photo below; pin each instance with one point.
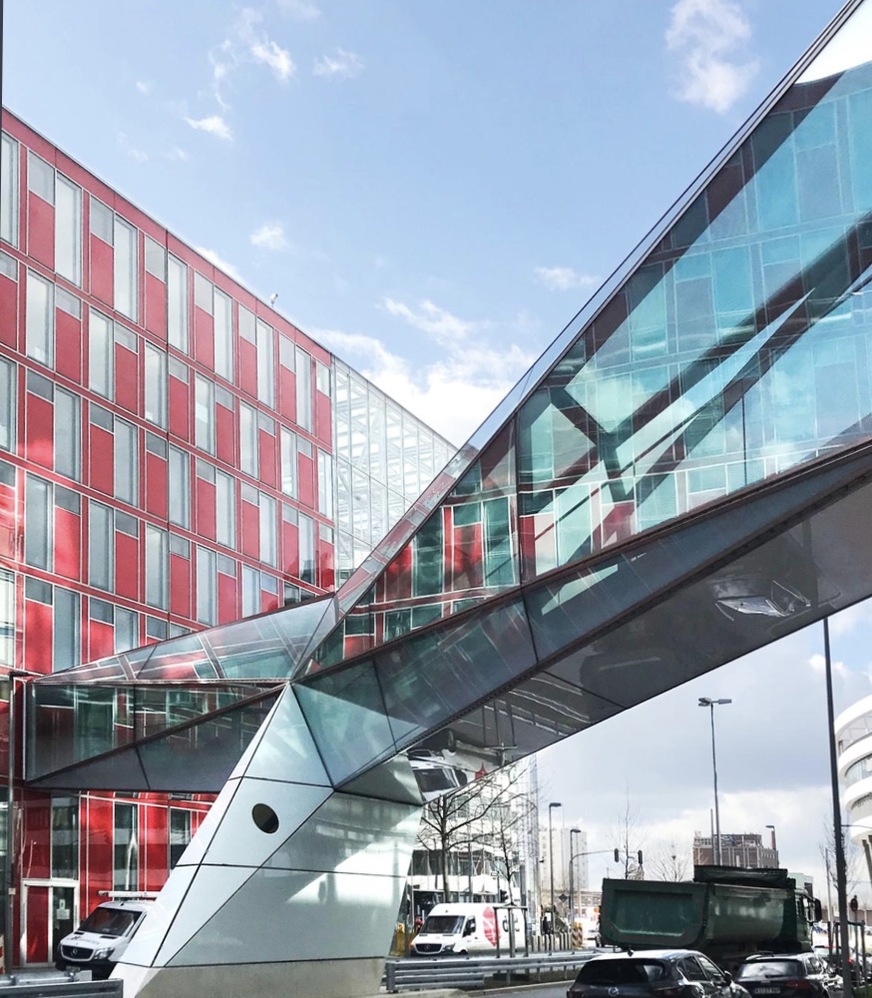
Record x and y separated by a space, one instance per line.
180 586
126 566
40 226
102 270
36 858
156 485
306 481
38 627
248 367
268 455
39 435
102 459
287 394
250 531
8 520
180 409
155 306
326 567
9 312
289 557
204 498
225 435
228 600
68 352
100 640
35 899
154 847
268 601
204 338
97 837
323 420
126 378
67 544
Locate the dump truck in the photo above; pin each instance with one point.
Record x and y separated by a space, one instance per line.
725 912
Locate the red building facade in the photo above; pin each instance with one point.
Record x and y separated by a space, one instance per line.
166 464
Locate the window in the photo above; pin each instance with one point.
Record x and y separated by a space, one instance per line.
101 355
202 293
68 303
9 190
155 385
180 834
101 547
125 268
68 230
101 221
248 449
304 389
67 434
250 591
268 548
66 637
180 488
322 378
177 303
155 259
307 548
65 837
38 539
126 462
225 509
204 430
126 630
325 484
7 405
207 601
40 177
289 461
156 629
223 335
246 324
126 851
266 377
7 616
156 585
39 327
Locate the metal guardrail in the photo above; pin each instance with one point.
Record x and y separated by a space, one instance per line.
57 986
420 973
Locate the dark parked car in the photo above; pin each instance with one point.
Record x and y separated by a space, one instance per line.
784 975
677 973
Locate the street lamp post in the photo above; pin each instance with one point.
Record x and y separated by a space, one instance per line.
572 858
710 703
551 807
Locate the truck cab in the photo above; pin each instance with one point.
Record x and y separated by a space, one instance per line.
99 942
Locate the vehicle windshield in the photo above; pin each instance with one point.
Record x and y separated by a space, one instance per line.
770 968
110 921
621 972
445 925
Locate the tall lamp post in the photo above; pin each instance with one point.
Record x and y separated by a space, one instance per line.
551 807
711 704
572 857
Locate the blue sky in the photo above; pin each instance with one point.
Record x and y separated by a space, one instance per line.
433 190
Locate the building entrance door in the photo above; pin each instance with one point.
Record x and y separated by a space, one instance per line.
49 911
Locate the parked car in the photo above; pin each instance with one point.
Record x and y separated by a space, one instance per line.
100 941
785 975
678 973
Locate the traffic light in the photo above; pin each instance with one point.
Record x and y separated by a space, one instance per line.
617 855
852 904
639 855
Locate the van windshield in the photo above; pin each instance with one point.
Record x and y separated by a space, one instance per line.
445 925
110 921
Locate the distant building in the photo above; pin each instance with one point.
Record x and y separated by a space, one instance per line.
853 733
745 849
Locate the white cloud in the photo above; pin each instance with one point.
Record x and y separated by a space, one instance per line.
143 86
273 55
703 34
139 155
343 65
564 278
300 10
178 154
214 124
270 236
432 319
213 258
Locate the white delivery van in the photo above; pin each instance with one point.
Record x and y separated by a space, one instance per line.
99 942
461 928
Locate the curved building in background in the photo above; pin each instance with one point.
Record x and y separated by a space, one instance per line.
853 731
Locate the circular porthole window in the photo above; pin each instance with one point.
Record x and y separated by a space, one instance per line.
265 818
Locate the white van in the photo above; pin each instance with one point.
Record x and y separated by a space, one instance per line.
461 928
99 942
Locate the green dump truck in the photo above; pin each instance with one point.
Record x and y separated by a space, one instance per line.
725 912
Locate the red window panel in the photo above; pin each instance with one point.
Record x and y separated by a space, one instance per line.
9 312
398 576
154 855
8 522
323 419
326 568
38 628
98 836
287 394
41 229
67 543
101 445
228 599
467 560
126 565
268 601
156 485
250 530
290 552
180 409
100 639
39 438
204 338
180 586
616 526
155 305
204 498
307 489
68 355
225 435
102 270
126 378
268 456
248 367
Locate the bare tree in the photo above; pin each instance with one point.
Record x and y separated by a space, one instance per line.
484 813
853 865
627 833
667 862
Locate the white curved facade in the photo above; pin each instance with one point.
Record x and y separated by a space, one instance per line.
853 732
